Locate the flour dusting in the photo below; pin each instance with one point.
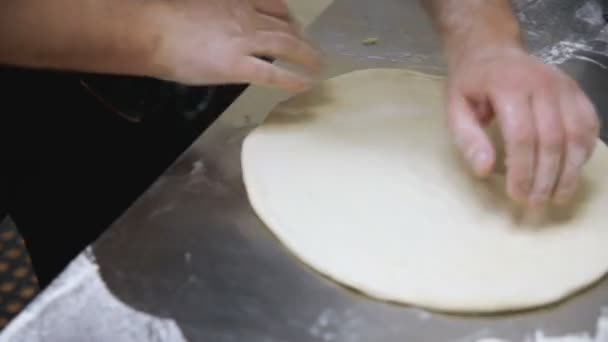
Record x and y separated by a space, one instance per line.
601 334
79 307
562 51
592 61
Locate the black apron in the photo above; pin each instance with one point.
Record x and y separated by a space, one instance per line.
76 151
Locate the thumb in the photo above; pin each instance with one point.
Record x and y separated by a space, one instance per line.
470 136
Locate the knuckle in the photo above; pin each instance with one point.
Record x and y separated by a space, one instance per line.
266 74
524 184
569 176
518 191
521 185
574 162
593 124
271 76
545 182
567 84
545 188
579 136
231 69
552 143
571 84
592 120
522 138
546 77
541 75
286 42
567 183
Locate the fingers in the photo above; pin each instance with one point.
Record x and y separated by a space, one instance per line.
286 47
256 71
548 139
277 39
470 136
581 127
268 23
514 114
549 127
550 147
273 8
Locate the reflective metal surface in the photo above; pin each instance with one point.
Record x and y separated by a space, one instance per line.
193 250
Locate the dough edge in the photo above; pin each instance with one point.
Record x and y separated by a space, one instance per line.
344 281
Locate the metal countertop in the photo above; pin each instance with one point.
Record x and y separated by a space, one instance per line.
191 249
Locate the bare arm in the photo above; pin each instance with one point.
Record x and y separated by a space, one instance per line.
86 35
198 42
474 26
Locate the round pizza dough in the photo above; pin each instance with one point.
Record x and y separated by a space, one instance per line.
360 180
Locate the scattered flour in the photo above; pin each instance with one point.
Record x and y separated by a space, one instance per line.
562 51
590 13
601 334
79 307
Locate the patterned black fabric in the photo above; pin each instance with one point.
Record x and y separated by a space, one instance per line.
18 283
69 165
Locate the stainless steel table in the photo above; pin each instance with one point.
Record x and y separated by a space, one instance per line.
192 251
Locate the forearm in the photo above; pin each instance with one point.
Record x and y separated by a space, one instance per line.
108 36
474 26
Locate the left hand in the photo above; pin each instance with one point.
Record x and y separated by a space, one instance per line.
548 124
203 42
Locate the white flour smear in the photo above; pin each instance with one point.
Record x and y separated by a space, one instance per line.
78 306
562 51
601 334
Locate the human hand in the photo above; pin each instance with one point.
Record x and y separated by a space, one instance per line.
548 124
218 42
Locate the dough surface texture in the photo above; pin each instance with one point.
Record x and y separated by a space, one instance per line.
360 180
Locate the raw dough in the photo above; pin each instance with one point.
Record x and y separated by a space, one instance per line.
359 179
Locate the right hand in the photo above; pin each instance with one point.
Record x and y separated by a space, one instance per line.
548 124
203 42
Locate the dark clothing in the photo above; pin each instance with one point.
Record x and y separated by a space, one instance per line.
70 164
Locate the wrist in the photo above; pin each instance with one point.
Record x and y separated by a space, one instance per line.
491 30
479 51
151 34
141 40
116 37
